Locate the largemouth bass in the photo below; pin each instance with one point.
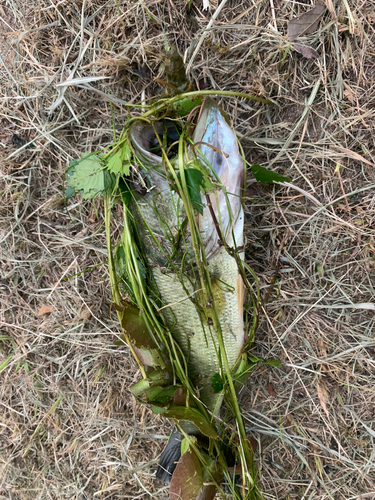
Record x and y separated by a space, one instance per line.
172 253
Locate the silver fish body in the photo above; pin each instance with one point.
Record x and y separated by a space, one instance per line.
160 217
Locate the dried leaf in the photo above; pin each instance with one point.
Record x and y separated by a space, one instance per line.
271 392
179 397
85 314
44 310
306 50
331 8
322 348
305 24
254 444
175 70
349 93
187 480
323 396
133 323
208 492
347 153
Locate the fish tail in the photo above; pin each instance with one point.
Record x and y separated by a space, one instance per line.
169 457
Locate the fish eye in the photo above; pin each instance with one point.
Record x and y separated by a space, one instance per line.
169 135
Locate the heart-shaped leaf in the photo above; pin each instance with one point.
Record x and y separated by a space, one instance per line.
306 23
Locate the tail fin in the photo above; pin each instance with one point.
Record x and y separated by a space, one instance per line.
170 456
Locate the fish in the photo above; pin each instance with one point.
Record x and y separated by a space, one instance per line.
168 246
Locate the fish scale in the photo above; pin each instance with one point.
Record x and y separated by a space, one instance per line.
192 331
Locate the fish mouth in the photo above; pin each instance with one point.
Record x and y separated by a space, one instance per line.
215 144
145 138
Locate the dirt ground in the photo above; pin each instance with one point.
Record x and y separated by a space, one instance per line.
69 427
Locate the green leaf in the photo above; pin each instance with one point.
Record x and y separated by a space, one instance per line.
161 395
158 410
120 260
150 357
154 385
253 358
119 162
89 177
114 164
185 445
207 182
69 192
186 105
217 383
121 269
125 192
154 392
198 179
263 175
190 415
126 153
194 182
247 364
187 479
271 362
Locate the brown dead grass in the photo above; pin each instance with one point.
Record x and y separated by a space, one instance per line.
68 425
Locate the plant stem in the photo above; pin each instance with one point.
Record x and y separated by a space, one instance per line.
112 276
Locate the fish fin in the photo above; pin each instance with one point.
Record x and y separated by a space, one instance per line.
169 457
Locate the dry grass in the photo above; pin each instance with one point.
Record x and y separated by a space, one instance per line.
68 425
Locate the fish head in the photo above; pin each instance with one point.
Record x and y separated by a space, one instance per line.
216 146
156 208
